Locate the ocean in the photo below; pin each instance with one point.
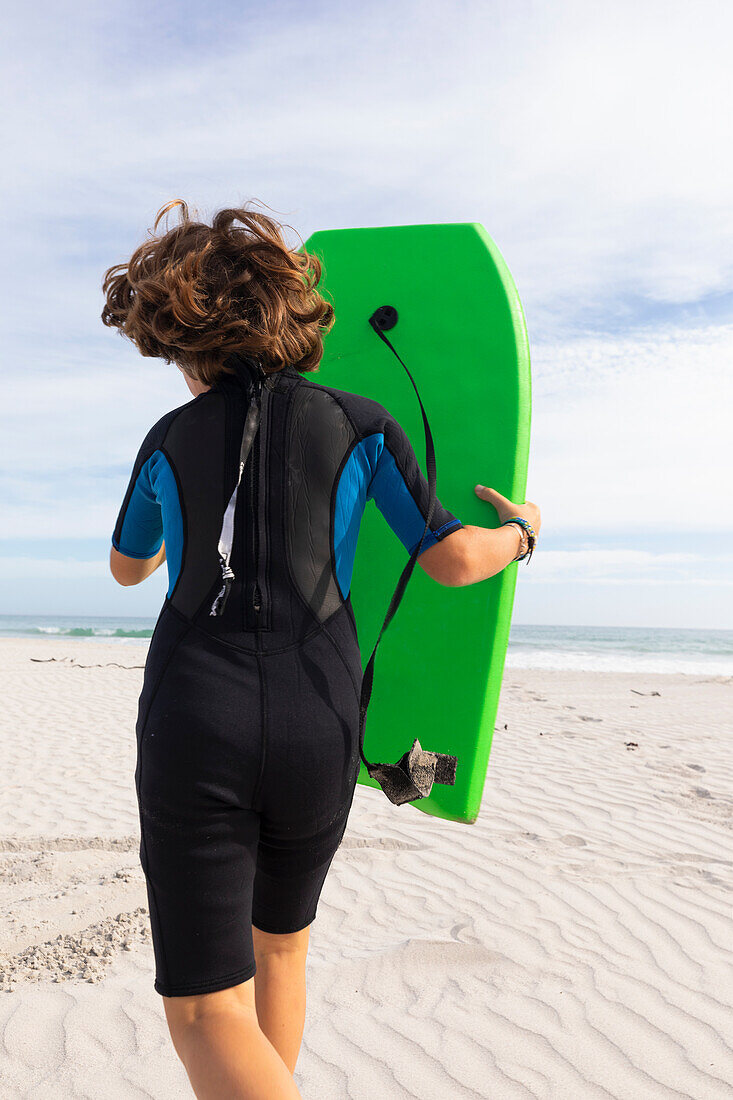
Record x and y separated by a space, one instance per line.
610 648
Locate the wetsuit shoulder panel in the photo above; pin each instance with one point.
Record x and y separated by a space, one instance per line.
195 446
138 530
319 438
400 490
152 509
382 467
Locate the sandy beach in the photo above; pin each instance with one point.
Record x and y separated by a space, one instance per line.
575 942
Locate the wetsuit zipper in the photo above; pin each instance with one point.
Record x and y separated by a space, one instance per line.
257 606
253 600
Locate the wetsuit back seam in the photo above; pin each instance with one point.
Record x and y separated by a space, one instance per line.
255 652
344 662
263 731
295 586
332 522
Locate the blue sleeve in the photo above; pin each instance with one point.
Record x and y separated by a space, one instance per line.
138 532
400 490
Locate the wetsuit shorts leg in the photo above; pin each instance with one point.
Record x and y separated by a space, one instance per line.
246 771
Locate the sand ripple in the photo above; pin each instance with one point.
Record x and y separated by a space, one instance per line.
573 943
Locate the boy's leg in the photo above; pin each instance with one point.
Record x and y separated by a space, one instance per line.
280 989
223 1049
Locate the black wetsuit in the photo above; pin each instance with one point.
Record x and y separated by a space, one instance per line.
247 729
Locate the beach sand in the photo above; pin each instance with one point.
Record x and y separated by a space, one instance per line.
575 942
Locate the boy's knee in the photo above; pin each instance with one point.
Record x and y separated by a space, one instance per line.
268 944
184 1012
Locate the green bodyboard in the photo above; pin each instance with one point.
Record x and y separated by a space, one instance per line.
461 331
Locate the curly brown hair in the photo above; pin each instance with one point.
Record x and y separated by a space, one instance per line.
198 292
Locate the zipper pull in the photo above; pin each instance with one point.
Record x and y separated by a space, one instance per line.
257 599
217 608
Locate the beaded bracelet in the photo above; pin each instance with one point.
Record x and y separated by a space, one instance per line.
523 539
531 537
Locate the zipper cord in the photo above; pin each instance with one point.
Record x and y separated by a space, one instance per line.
412 777
226 537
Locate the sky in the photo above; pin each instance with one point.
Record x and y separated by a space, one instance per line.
593 142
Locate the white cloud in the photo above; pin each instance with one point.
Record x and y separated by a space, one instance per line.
608 566
632 435
53 569
593 142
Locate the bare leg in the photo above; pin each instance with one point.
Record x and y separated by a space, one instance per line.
224 1051
280 989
